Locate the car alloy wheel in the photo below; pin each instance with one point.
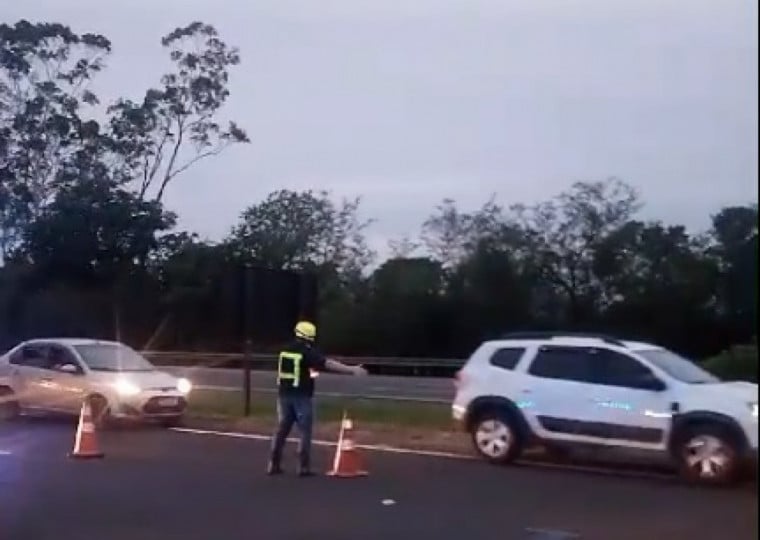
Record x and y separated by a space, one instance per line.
494 438
708 457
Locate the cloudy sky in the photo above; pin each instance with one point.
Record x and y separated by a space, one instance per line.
405 102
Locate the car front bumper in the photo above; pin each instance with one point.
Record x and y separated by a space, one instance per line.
150 405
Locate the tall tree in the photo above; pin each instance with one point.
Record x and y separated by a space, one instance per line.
176 125
661 275
445 233
734 234
93 230
565 232
45 72
450 234
303 230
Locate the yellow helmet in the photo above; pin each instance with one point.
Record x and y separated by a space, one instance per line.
306 330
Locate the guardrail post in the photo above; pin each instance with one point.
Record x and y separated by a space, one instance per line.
247 360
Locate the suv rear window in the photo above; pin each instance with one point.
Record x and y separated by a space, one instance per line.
507 358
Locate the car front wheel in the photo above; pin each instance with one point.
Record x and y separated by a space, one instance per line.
708 455
496 438
9 407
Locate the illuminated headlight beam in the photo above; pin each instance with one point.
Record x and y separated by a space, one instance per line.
184 386
126 388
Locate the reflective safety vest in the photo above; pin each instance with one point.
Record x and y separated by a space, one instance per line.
289 367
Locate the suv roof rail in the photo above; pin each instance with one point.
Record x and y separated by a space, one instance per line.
555 334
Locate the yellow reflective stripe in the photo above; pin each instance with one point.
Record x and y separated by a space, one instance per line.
295 375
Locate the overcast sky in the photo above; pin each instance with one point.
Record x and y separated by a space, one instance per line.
405 102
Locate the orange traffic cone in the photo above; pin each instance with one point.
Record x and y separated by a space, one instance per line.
347 463
86 442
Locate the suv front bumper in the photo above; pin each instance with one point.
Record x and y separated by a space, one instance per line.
459 417
751 460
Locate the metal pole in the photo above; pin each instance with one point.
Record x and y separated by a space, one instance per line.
244 323
247 360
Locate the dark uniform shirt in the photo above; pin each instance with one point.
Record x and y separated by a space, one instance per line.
295 365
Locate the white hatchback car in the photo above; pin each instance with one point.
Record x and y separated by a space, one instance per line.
58 375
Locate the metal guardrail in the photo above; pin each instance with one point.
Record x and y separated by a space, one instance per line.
249 362
211 359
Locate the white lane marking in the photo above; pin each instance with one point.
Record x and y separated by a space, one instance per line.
551 534
432 453
218 388
318 442
329 394
5 452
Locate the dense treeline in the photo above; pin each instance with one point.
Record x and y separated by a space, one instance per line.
88 246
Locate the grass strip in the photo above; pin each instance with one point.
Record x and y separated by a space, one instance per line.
328 409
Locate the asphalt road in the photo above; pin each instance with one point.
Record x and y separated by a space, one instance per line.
374 386
166 485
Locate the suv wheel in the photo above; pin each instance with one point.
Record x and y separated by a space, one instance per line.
9 407
708 455
496 437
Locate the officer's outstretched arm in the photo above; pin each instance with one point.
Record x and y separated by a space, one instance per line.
340 367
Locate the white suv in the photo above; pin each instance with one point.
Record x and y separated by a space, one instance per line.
565 390
57 375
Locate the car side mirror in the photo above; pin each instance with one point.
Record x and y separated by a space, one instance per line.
68 368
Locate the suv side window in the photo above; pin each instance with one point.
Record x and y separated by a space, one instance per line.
611 368
507 357
565 363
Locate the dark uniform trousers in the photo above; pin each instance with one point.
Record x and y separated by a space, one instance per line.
294 409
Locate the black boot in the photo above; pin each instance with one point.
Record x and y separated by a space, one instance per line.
304 470
274 469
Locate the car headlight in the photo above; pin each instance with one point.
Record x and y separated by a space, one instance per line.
126 388
184 386
753 406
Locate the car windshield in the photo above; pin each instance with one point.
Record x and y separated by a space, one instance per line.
112 357
679 367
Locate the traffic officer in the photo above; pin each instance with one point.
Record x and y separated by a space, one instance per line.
296 368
